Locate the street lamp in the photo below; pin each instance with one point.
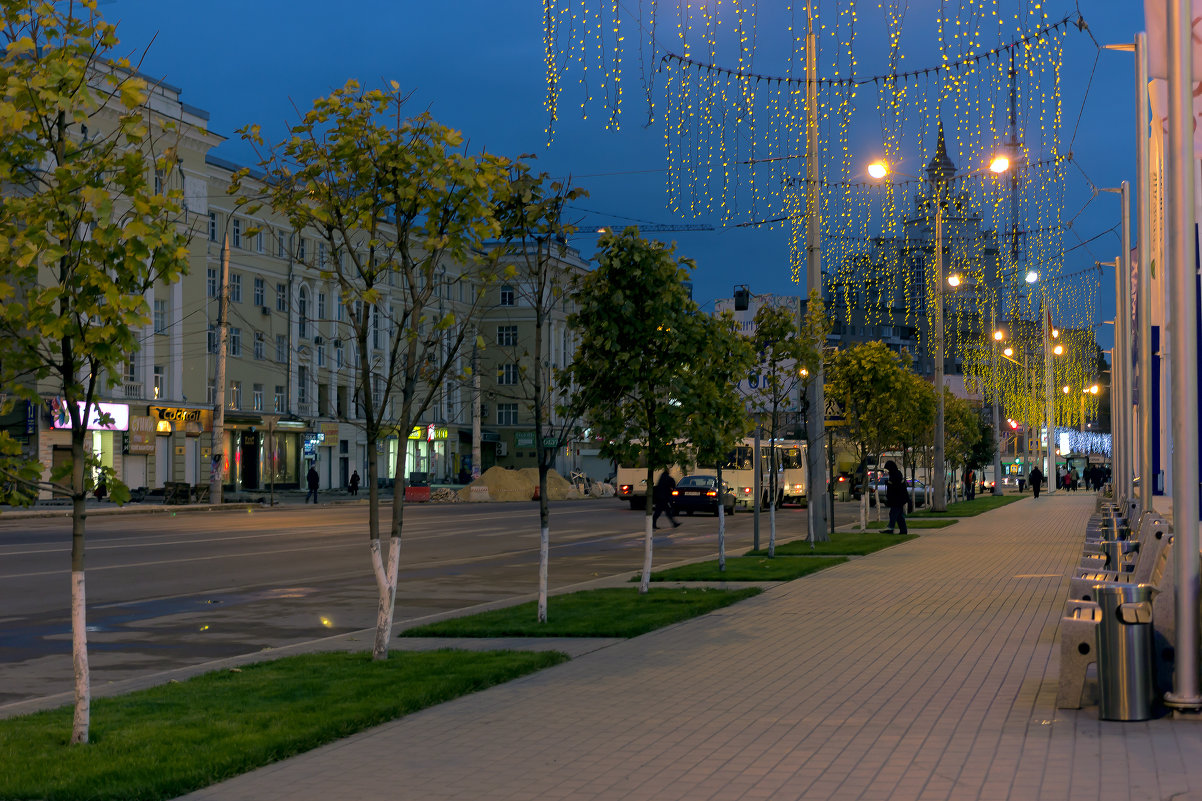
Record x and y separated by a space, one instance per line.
879 170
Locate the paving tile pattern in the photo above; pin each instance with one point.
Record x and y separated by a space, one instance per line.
926 671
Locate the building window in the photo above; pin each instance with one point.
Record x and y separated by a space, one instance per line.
260 345
212 226
160 316
281 297
158 182
211 282
507 414
302 313
302 384
281 348
212 392
235 287
507 375
235 343
507 335
300 249
338 356
257 398
259 242
212 340
281 246
278 400
321 355
507 296
321 255
321 305
235 398
375 326
236 233
260 292
160 382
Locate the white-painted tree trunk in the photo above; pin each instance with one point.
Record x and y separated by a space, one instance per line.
544 557
79 656
864 508
772 529
721 535
386 581
645 583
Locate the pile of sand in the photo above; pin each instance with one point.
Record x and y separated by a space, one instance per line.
558 488
502 484
444 495
603 490
518 485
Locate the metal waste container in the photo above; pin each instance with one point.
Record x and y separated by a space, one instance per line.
1125 677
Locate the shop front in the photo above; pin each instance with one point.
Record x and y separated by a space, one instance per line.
427 456
178 448
104 438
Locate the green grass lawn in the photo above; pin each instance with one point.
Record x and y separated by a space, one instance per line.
922 522
978 505
750 568
169 740
842 543
616 612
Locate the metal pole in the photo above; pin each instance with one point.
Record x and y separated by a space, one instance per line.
756 488
1049 400
1179 171
939 504
1118 414
217 457
815 395
1143 183
997 414
1127 406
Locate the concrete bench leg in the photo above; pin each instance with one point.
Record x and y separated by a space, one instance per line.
1077 653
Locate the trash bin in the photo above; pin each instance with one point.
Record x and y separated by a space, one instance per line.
1125 683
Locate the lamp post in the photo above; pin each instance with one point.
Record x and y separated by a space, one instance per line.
1085 391
879 170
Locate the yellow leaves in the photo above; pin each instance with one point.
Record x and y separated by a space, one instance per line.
133 92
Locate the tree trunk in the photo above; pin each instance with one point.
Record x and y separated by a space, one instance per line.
386 573
544 530
772 484
721 524
79 609
645 582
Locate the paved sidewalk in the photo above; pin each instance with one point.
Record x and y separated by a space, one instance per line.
925 671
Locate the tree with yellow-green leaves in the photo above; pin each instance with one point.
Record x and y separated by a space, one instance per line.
83 236
403 213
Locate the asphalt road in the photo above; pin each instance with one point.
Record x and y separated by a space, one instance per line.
167 591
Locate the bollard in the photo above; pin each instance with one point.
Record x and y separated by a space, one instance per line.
1124 640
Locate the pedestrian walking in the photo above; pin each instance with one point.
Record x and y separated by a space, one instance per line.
314 481
896 498
662 497
970 484
354 485
1036 479
1074 478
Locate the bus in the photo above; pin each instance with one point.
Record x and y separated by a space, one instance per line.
738 472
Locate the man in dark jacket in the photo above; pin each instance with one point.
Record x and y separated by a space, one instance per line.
1036 479
662 497
896 498
314 482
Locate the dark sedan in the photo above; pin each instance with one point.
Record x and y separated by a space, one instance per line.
700 494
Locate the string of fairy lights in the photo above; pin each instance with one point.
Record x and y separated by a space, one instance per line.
735 145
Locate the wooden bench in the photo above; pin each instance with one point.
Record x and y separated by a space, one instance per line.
200 492
176 492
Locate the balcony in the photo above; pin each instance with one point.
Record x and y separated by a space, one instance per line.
133 390
304 408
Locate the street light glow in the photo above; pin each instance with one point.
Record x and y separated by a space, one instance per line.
1058 350
999 336
953 280
878 169
999 165
1032 276
1008 351
1065 388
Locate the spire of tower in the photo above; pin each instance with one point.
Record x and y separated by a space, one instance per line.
941 169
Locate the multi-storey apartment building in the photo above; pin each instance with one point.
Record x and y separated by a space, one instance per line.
290 396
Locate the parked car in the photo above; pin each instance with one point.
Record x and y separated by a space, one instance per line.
918 491
700 494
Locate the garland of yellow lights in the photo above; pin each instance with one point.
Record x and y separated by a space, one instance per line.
734 141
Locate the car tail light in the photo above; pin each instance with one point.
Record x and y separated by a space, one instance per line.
746 490
842 479
675 492
712 493
626 488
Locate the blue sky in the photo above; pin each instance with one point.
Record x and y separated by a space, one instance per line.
478 66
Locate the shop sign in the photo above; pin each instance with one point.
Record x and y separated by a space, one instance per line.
31 418
330 430
429 433
310 444
117 420
523 439
141 434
